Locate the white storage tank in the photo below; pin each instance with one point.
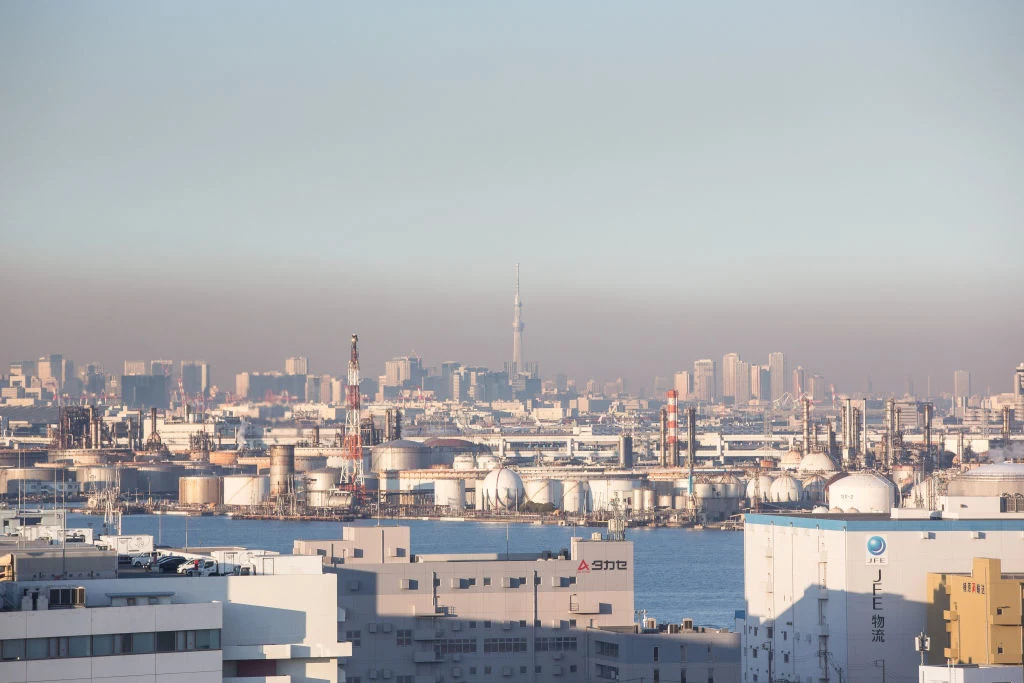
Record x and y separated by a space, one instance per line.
864 492
464 461
604 491
544 492
816 463
785 489
502 490
814 489
576 497
487 461
400 454
200 491
450 493
246 490
648 499
759 486
665 501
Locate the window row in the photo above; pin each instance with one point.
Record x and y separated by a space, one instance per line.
503 645
555 644
108 644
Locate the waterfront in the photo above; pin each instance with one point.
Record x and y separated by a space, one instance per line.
679 573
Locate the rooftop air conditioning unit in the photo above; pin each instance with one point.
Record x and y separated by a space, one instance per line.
372 628
650 623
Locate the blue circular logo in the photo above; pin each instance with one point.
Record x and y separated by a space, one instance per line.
876 545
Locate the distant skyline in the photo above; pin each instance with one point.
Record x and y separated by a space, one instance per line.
247 181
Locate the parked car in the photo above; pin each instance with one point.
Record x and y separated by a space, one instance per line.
143 560
169 564
199 567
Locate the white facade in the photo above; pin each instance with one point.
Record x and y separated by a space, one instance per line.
835 593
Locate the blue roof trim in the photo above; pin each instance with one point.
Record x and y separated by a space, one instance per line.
809 522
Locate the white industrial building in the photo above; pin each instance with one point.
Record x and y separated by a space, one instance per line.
522 617
272 626
834 597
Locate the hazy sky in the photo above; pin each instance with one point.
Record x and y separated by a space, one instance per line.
240 181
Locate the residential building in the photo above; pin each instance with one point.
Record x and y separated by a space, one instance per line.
777 369
705 380
296 365
729 362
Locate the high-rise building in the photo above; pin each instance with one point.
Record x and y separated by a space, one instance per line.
705 376
136 367
760 383
777 370
816 388
296 365
729 362
403 371
162 367
799 382
741 383
51 367
961 391
683 384
1018 381
517 329
195 376
145 391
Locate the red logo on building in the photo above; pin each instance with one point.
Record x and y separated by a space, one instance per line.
584 567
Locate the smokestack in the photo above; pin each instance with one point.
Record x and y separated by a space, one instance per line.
664 438
673 427
152 420
316 435
807 425
626 452
691 441
890 432
141 431
928 409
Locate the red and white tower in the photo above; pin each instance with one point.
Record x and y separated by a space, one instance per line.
672 428
353 473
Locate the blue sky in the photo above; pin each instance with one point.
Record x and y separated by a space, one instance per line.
762 174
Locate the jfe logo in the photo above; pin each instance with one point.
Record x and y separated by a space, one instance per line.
876 547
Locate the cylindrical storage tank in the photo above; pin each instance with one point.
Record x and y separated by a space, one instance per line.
450 493
99 477
464 461
785 489
487 461
576 497
864 492
224 458
637 500
648 499
681 502
200 491
318 486
478 495
159 479
282 470
665 502
604 491
791 460
28 479
544 492
399 455
246 490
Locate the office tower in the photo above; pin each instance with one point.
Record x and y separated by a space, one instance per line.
296 365
777 371
705 375
1018 382
798 382
51 368
162 367
760 383
817 389
195 377
136 367
741 377
403 371
729 362
682 383
961 391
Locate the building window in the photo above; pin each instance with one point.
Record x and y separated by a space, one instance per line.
354 679
487 581
12 650
753 652
522 623
504 645
555 644
487 623
522 669
655 653
354 637
455 646
657 676
403 637
604 649
472 669
487 670
405 679
472 624
572 623
682 676
609 672
785 658
711 676
572 668
682 653
537 669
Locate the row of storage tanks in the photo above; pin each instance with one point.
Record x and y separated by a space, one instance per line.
318 489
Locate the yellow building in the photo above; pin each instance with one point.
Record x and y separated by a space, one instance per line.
976 618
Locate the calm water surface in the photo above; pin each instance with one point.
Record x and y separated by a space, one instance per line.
679 573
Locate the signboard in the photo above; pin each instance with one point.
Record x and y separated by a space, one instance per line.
877 550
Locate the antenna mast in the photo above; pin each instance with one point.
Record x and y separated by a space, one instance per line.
353 436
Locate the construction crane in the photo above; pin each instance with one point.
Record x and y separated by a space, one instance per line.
353 472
